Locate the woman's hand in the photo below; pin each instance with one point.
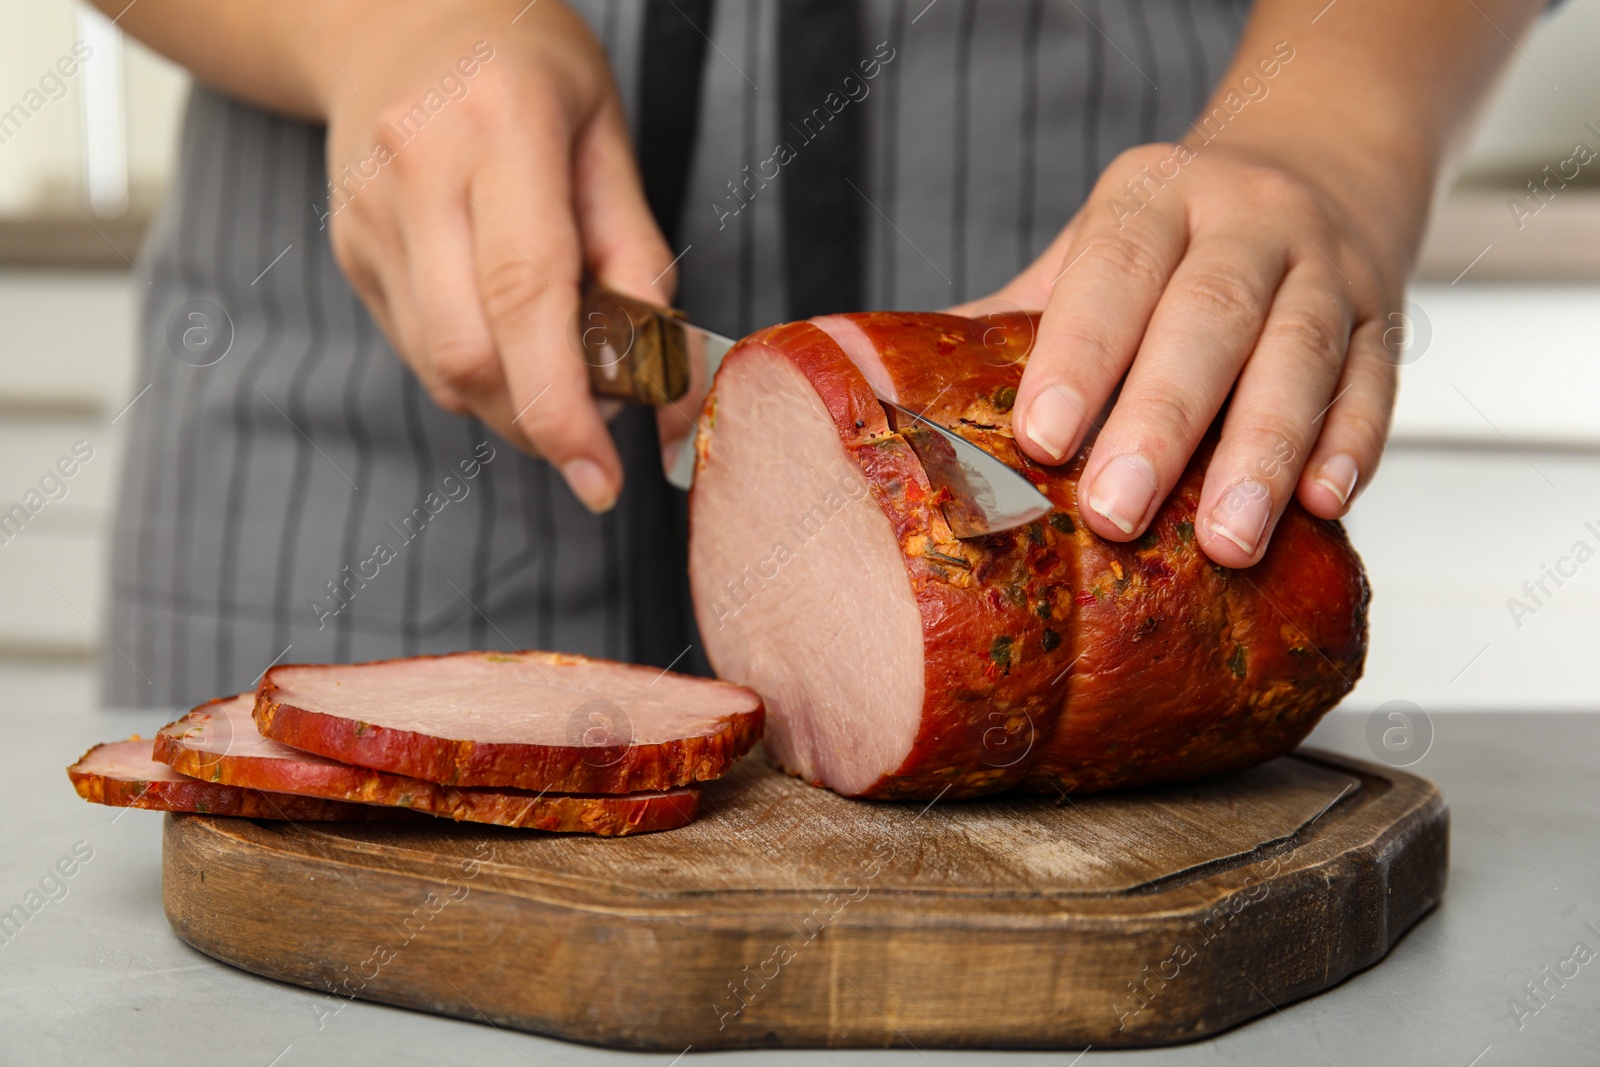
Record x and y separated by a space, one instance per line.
1264 258
478 170
1194 273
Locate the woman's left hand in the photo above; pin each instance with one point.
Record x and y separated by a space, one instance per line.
1193 274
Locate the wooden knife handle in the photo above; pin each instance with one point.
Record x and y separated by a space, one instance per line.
635 351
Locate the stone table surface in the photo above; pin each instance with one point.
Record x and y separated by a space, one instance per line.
96 976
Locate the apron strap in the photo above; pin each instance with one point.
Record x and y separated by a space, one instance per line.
670 76
824 219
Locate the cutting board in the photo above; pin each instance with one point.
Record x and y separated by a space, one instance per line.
788 916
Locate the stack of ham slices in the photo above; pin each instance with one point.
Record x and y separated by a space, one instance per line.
537 740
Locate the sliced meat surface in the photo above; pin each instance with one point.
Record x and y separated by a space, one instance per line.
854 342
123 775
219 742
526 720
800 585
897 661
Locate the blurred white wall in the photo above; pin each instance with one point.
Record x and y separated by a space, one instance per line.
48 149
1551 90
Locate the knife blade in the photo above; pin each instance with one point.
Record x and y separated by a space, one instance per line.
705 351
986 496
638 352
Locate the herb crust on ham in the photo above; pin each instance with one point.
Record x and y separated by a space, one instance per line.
896 661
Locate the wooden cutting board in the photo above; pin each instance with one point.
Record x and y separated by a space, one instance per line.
788 916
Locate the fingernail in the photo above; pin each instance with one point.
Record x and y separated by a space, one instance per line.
1052 421
1242 515
1123 490
589 484
1339 475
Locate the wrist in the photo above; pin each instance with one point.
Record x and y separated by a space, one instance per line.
345 43
357 49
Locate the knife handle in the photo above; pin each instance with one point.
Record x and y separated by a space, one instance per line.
634 350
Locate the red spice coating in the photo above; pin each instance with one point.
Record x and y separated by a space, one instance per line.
160 788
1056 660
316 776
623 768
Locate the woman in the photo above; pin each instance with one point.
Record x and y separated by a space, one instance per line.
359 330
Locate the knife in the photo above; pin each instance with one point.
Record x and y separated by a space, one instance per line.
638 352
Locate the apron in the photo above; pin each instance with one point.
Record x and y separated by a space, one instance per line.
290 493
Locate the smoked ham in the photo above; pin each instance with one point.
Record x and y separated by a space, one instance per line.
123 775
896 661
525 720
218 742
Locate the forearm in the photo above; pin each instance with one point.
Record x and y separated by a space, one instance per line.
296 56
264 51
1374 102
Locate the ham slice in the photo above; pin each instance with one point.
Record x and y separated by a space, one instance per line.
896 661
526 720
122 774
219 743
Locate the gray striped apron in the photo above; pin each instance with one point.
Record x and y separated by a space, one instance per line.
290 493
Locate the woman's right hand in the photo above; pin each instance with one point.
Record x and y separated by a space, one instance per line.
481 165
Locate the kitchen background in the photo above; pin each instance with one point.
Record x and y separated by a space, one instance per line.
1490 483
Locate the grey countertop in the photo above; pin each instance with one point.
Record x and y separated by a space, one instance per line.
96 975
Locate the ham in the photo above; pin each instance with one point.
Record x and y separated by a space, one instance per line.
527 720
122 774
897 662
219 742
